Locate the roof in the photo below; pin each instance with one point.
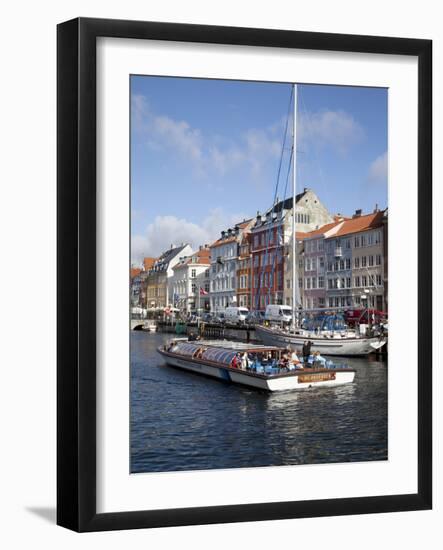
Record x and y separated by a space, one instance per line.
222 240
148 263
361 223
323 229
135 271
201 257
162 263
244 224
299 235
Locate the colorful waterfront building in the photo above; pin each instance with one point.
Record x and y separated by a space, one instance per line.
223 273
244 271
313 265
157 278
356 262
271 246
189 285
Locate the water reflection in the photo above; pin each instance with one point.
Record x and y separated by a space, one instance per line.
183 421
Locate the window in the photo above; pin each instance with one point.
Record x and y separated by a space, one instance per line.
378 259
342 301
336 301
363 261
364 280
342 265
342 282
321 282
378 280
371 261
308 264
330 284
357 300
314 282
348 282
357 262
370 239
357 281
329 266
320 245
300 263
348 243
357 242
255 281
314 264
308 282
300 282
321 302
206 287
321 262
331 302
348 263
377 237
363 240
193 288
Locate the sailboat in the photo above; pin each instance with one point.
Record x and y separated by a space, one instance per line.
336 342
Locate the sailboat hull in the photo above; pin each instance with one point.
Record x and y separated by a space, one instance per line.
323 344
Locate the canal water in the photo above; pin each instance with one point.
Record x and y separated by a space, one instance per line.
184 421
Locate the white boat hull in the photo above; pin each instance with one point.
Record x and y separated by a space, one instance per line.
291 381
324 345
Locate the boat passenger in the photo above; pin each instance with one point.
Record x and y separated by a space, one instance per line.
317 358
245 361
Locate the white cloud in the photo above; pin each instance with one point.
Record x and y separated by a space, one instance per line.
336 129
378 170
167 230
207 153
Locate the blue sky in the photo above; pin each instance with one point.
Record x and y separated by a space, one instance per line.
205 153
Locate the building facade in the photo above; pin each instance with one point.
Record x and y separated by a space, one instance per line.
244 273
189 285
271 248
223 273
356 261
158 276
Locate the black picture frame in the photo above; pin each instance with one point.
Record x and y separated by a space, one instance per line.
76 279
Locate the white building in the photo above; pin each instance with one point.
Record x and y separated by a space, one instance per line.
224 265
189 285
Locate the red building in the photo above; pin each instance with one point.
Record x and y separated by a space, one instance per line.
267 257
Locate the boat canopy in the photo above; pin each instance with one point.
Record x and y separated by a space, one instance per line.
218 355
328 321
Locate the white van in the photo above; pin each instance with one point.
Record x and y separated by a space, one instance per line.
279 313
236 315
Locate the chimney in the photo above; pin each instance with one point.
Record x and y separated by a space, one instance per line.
376 208
357 213
223 233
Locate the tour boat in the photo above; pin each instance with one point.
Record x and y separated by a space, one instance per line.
215 359
334 343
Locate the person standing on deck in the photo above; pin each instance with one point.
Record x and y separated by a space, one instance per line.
306 351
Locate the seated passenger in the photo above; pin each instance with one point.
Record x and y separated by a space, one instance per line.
245 361
318 358
234 362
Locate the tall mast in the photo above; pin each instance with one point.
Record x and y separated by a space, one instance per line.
294 193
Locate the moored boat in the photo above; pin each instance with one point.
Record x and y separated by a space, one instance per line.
262 365
346 344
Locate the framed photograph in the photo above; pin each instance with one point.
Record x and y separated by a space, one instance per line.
244 274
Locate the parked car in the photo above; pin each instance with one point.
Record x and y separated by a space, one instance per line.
278 313
207 318
236 315
219 318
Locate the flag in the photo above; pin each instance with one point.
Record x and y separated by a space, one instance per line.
203 292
